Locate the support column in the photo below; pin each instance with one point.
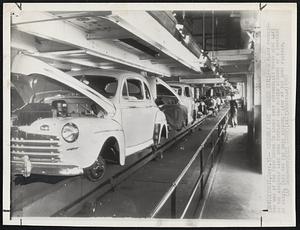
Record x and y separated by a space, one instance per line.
250 108
257 99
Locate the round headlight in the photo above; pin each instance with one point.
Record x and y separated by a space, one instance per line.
70 132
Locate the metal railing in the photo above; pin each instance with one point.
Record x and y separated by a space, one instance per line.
221 128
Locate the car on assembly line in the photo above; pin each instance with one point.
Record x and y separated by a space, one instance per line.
186 95
61 126
170 103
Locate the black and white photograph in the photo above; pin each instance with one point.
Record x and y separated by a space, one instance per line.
149 114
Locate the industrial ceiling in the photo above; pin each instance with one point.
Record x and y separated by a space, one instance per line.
186 44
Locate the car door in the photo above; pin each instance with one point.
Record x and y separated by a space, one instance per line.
135 120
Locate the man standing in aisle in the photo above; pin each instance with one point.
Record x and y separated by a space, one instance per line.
233 111
218 102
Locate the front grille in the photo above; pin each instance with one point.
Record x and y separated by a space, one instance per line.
39 148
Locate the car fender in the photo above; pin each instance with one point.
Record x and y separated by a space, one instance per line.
95 149
93 133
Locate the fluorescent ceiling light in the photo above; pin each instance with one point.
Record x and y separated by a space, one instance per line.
106 67
75 69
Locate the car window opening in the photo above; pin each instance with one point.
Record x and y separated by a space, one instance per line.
106 86
187 92
165 96
135 90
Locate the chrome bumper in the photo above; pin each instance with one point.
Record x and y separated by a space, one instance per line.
25 167
38 154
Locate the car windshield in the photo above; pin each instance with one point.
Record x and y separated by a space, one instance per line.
163 91
107 86
37 96
165 96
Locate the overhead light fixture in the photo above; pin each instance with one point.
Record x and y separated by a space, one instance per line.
106 67
75 69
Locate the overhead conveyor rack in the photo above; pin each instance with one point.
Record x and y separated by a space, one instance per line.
104 39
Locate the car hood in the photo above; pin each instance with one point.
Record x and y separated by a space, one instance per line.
25 64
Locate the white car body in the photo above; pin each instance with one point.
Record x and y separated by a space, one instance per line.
129 124
136 116
186 94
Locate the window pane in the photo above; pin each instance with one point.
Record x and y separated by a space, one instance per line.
187 92
161 90
107 86
135 89
147 92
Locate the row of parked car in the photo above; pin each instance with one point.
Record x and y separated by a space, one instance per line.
73 123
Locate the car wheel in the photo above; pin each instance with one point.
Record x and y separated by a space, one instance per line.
96 171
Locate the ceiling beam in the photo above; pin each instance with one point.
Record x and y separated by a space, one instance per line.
163 61
239 78
231 52
47 17
65 52
108 34
177 71
22 41
67 60
239 62
197 75
239 57
203 81
28 44
155 35
243 72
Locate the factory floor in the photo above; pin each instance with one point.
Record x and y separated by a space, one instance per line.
236 188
